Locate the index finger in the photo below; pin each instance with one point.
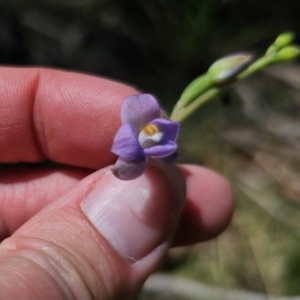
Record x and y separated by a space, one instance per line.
65 117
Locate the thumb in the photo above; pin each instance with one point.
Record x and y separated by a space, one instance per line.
100 240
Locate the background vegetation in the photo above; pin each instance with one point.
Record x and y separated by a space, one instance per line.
250 135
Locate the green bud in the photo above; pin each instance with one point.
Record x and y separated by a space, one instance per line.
194 89
286 54
282 41
227 68
285 39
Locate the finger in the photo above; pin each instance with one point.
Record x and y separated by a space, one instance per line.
207 212
100 240
208 208
65 117
24 192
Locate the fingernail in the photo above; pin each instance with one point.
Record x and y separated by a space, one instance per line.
134 216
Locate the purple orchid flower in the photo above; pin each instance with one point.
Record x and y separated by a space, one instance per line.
143 133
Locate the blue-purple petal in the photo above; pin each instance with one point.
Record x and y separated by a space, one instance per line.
139 110
169 129
128 170
159 151
126 144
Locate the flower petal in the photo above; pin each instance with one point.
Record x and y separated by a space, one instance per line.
128 170
126 144
139 110
168 128
159 151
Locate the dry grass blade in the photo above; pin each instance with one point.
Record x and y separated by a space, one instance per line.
173 287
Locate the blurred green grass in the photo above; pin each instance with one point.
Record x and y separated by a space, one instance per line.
251 135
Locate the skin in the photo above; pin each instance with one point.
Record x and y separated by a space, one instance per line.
63 117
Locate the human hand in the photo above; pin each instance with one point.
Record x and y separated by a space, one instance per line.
73 232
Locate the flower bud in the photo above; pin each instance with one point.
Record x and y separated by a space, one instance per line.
227 68
282 41
286 54
196 88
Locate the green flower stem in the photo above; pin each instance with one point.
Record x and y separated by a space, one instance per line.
181 115
197 87
229 70
181 112
256 66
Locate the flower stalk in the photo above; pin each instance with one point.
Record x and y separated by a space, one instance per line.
229 70
147 134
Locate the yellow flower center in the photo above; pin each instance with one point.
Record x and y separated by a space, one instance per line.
151 129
